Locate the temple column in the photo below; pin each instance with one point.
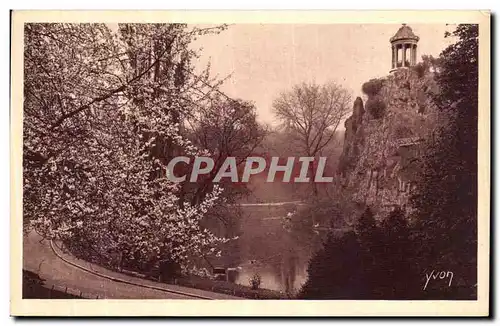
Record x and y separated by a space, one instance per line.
394 56
414 54
403 50
398 54
408 53
411 55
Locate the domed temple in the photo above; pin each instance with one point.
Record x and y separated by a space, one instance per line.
404 48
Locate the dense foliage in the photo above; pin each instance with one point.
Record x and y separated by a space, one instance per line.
375 104
373 86
446 199
376 107
370 262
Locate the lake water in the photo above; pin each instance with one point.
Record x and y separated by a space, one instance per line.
271 246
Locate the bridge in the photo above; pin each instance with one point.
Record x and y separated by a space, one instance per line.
298 203
408 141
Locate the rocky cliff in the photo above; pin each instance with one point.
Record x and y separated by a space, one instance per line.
382 151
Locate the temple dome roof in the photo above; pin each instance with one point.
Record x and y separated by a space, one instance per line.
404 33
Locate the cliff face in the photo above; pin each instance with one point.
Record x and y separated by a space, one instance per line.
383 139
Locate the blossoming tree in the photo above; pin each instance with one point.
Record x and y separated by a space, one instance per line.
103 111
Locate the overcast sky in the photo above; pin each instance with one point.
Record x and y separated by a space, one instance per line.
266 59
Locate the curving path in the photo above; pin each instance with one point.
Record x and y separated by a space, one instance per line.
63 271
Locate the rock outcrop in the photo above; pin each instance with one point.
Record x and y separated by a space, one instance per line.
381 157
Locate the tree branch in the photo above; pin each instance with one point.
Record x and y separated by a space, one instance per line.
111 93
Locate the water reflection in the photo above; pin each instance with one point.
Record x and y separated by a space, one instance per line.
275 248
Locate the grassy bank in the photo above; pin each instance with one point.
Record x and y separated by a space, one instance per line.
224 287
229 288
191 281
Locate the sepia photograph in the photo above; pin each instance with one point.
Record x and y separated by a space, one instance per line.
288 162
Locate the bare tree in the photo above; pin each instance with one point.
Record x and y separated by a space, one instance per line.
311 113
227 128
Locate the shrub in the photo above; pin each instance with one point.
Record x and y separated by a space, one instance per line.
255 281
421 101
420 68
403 131
335 271
169 270
372 87
376 106
373 262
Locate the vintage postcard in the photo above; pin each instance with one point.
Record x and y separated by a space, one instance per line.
302 163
